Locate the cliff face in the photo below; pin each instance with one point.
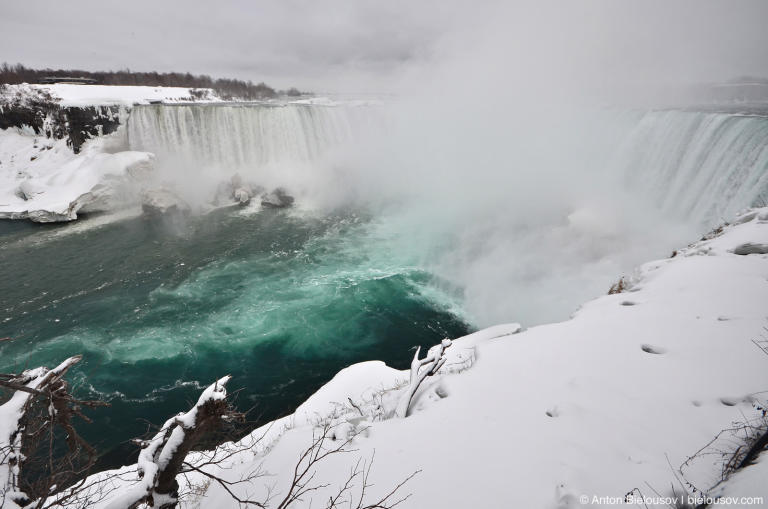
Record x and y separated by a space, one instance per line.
46 117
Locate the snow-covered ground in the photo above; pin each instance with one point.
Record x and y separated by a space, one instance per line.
101 95
42 179
76 95
626 397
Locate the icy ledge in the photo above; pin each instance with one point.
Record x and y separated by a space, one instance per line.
43 180
614 399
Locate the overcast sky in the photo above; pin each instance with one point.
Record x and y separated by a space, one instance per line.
365 45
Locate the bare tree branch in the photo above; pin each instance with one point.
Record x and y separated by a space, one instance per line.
433 362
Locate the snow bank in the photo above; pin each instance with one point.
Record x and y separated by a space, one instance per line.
100 95
43 180
327 101
592 407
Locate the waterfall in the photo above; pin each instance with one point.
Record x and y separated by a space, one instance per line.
243 136
703 167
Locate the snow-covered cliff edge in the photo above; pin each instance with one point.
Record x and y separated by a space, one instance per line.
58 155
41 179
626 397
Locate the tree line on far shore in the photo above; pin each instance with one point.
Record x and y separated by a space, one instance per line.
226 88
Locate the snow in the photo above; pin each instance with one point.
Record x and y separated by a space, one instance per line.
616 398
327 101
51 177
749 482
101 95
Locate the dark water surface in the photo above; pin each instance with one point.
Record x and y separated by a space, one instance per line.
280 301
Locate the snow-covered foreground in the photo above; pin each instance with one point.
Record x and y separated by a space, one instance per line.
571 414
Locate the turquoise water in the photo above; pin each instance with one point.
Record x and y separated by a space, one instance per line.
281 301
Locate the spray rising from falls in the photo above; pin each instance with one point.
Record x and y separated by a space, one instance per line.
544 210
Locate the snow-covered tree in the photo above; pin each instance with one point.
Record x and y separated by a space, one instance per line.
162 457
39 412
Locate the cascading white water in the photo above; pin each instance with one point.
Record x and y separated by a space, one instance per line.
697 166
243 136
201 145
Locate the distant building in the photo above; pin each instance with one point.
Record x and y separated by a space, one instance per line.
68 80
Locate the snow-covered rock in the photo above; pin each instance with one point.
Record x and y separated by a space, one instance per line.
161 202
242 195
751 248
43 180
236 191
277 199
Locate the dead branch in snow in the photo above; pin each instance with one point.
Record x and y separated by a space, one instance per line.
734 448
305 471
762 343
164 456
431 363
619 286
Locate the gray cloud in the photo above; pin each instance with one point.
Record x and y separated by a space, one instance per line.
360 45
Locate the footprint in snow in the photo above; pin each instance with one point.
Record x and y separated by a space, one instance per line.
656 350
565 499
628 303
730 401
749 248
